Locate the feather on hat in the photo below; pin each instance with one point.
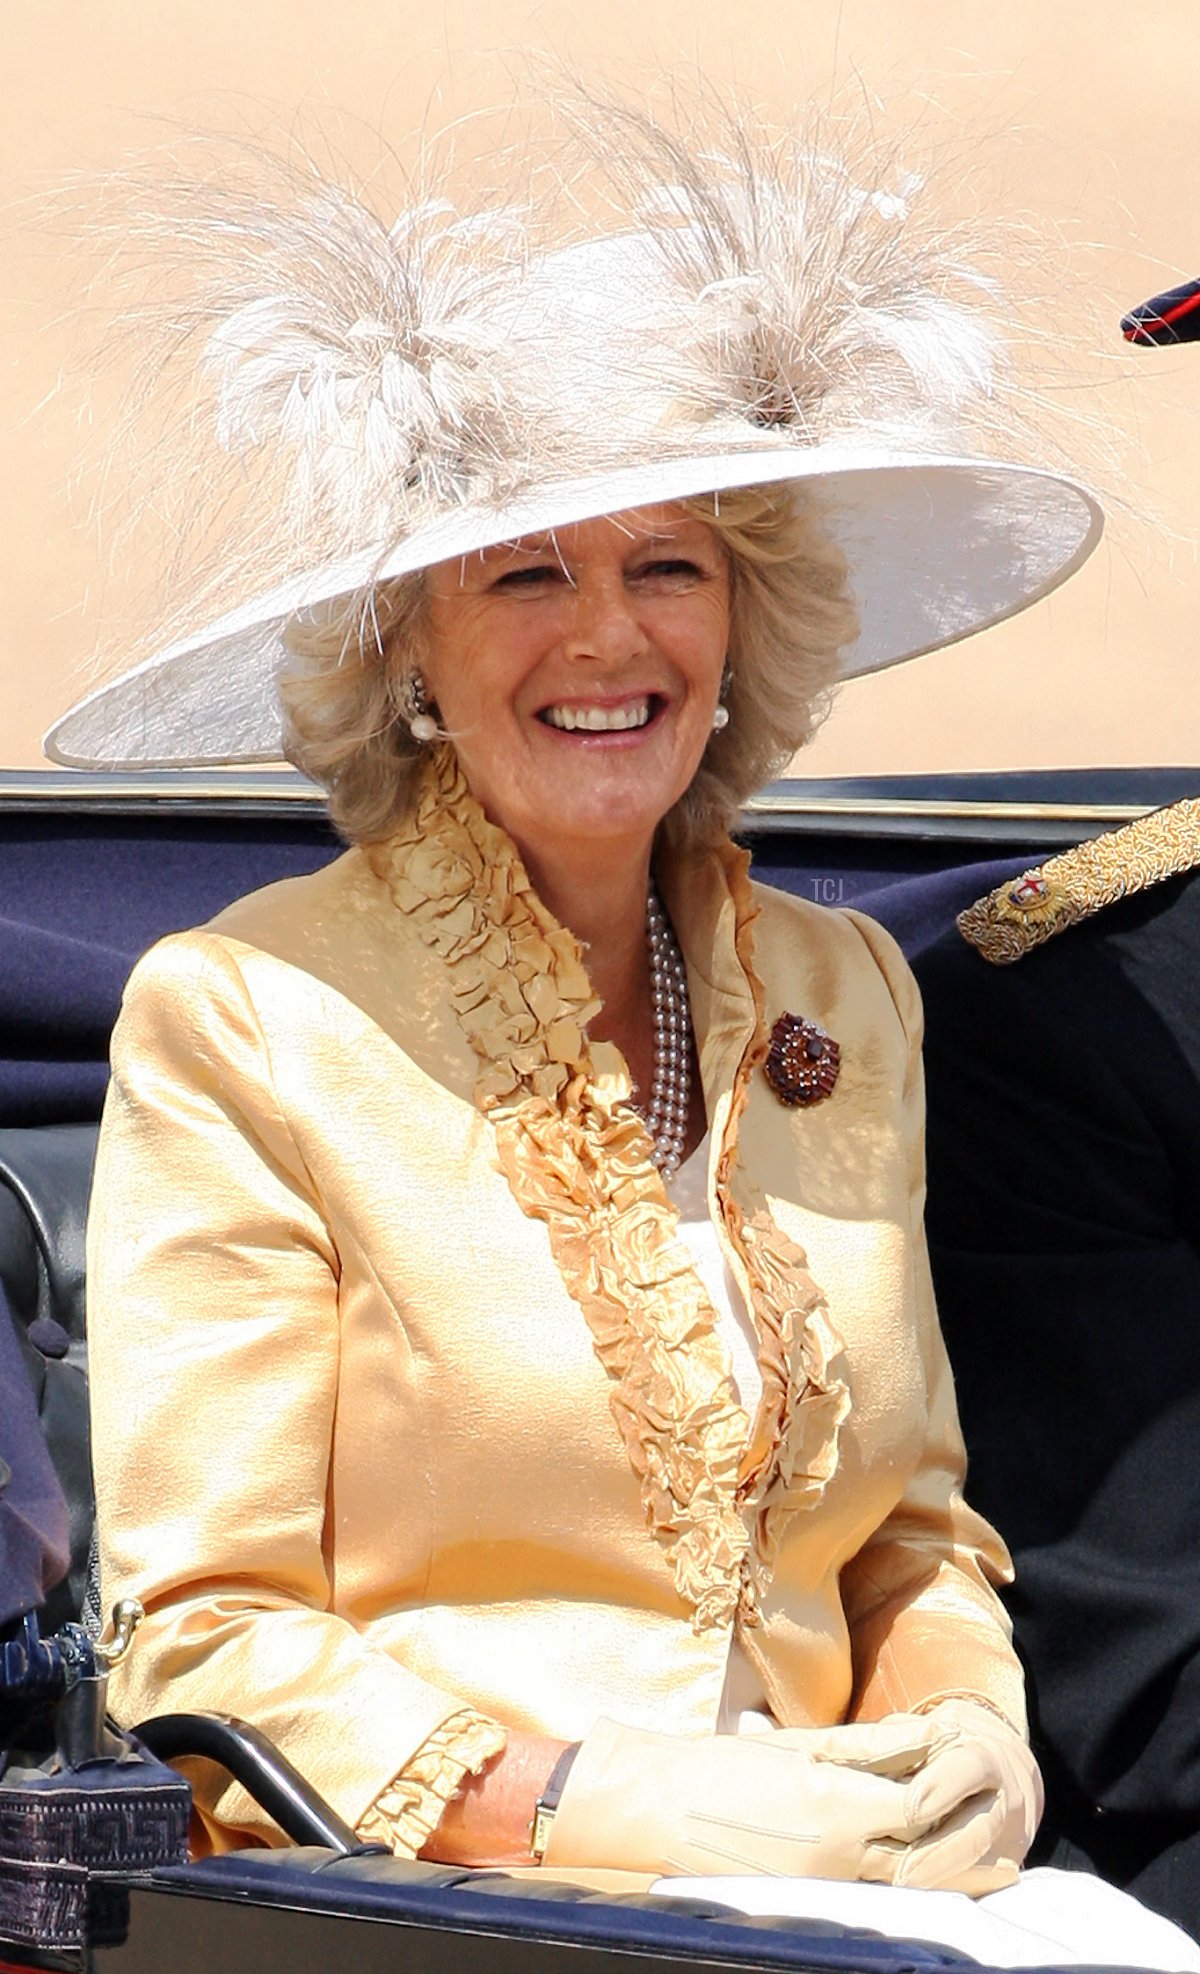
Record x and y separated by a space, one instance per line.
388 397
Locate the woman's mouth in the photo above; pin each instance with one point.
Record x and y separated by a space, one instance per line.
583 717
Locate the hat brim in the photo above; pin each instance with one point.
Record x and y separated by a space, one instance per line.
937 548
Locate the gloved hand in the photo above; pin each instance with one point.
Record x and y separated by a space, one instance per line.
804 1802
979 1799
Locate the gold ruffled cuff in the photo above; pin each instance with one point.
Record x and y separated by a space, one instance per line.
405 1815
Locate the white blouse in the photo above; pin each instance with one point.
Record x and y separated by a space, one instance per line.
744 1708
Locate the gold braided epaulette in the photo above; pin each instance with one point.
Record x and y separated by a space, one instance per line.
1026 911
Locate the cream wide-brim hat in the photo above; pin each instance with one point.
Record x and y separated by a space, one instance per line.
629 371
937 549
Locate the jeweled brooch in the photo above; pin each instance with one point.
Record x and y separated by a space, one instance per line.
802 1061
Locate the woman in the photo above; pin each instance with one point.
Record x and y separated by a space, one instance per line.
516 1382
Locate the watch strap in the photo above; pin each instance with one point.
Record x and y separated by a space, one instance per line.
547 1803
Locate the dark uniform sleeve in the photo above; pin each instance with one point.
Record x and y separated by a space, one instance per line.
1064 1221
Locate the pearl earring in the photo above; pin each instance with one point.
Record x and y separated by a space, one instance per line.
421 723
720 717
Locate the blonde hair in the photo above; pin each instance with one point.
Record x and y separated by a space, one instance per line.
346 693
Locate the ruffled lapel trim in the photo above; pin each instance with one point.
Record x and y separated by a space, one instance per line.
578 1157
792 1452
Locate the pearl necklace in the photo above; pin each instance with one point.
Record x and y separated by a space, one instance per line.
666 1114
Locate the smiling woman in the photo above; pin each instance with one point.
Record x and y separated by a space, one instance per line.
346 685
464 1205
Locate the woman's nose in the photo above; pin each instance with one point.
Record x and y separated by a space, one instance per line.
604 623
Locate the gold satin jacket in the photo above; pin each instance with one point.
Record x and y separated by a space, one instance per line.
412 1420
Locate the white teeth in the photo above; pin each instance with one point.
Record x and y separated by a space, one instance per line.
599 719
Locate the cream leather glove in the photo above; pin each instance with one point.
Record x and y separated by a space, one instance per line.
812 1803
979 1797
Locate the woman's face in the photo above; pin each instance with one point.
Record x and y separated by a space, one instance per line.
578 673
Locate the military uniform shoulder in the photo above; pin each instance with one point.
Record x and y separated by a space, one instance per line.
1028 909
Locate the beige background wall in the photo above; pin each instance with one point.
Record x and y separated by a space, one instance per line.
1084 113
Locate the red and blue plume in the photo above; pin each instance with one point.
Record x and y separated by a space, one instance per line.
1170 318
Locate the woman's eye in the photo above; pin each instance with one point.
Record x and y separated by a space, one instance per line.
670 569
528 578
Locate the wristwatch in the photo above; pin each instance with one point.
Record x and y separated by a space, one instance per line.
545 1808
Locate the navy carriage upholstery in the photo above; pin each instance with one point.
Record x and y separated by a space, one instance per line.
500 1924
